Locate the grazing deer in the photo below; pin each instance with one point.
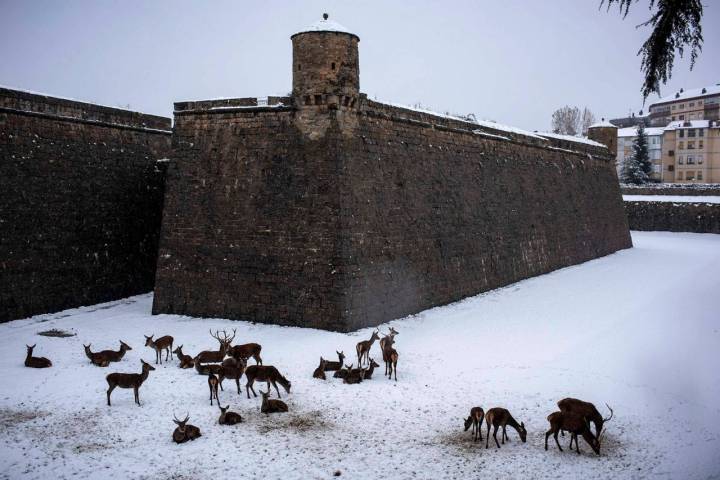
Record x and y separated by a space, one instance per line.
228 418
355 375
213 386
363 348
330 366
587 410
393 359
268 374
385 343
576 424
186 361
320 370
500 417
96 358
343 372
216 356
36 362
185 432
369 371
477 414
271 406
233 372
162 343
247 350
128 380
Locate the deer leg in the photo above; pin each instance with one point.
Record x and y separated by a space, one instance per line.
577 447
395 370
109 391
237 382
495 430
479 429
547 435
487 437
170 350
555 435
276 388
136 391
503 435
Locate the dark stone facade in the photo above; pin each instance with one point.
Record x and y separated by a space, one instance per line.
81 193
674 216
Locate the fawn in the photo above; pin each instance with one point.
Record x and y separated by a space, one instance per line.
228 418
185 432
271 406
128 380
320 370
162 343
36 362
477 414
186 361
363 348
267 374
500 417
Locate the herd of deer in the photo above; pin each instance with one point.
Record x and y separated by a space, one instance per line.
230 362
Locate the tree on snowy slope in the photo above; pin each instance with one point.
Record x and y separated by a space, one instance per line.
640 151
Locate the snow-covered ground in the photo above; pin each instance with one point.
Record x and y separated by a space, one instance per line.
673 198
639 329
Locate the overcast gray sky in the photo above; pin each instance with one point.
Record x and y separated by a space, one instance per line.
512 61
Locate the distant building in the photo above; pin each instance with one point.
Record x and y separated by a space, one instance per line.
626 138
694 104
631 121
691 151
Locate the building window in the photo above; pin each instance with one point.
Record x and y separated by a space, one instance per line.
680 160
671 153
690 160
689 175
691 145
681 145
700 145
699 175
673 118
682 105
701 132
332 65
671 168
700 159
299 67
680 175
681 117
673 107
681 134
691 132
691 104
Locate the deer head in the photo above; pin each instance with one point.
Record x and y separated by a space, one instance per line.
375 336
468 422
393 332
148 340
522 432
373 364
590 438
124 346
341 356
224 341
146 366
30 349
181 423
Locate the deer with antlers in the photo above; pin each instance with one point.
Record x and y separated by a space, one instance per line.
500 417
477 415
587 410
271 406
128 380
331 366
320 370
265 373
162 343
216 356
36 362
186 361
234 372
228 418
213 386
576 424
363 348
245 351
184 432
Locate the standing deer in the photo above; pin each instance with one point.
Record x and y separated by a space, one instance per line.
385 344
234 372
587 410
213 386
320 370
247 350
363 348
216 356
500 417
228 418
369 371
392 362
210 368
186 361
96 358
271 406
330 366
36 362
162 343
576 424
185 432
267 374
477 414
128 380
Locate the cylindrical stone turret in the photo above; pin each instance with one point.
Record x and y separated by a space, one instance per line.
606 133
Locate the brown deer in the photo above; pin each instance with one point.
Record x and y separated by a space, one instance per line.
271 406
363 348
247 350
385 343
392 362
185 432
369 371
343 372
233 372
500 417
210 368
477 414
213 386
330 366
228 418
320 370
186 361
587 410
36 362
114 356
96 358
128 380
355 375
216 356
576 424
162 343
268 374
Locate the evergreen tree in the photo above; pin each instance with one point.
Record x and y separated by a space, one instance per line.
640 151
631 172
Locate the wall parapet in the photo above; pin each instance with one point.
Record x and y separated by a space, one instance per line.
696 217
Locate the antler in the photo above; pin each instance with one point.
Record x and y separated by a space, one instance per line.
216 336
187 417
231 338
611 414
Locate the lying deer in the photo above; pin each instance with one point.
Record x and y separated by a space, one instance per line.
104 357
587 410
36 362
228 418
385 343
500 417
320 370
363 348
128 380
186 361
343 372
271 406
331 366
369 371
267 374
162 343
185 432
247 350
477 414
234 372
96 358
213 386
576 424
354 375
392 362
216 356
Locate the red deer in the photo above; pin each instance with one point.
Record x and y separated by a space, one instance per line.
587 410
162 343
128 380
355 375
385 343
114 356
392 361
343 372
247 350
216 356
96 358
268 374
271 406
500 417
185 432
363 348
36 362
228 418
477 414
320 370
186 361
369 371
211 368
576 424
330 366
233 372
213 386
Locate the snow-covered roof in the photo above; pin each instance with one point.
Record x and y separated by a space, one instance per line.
571 138
687 124
632 131
602 123
325 25
692 93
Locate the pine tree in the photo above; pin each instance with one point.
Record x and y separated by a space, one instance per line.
640 151
631 171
